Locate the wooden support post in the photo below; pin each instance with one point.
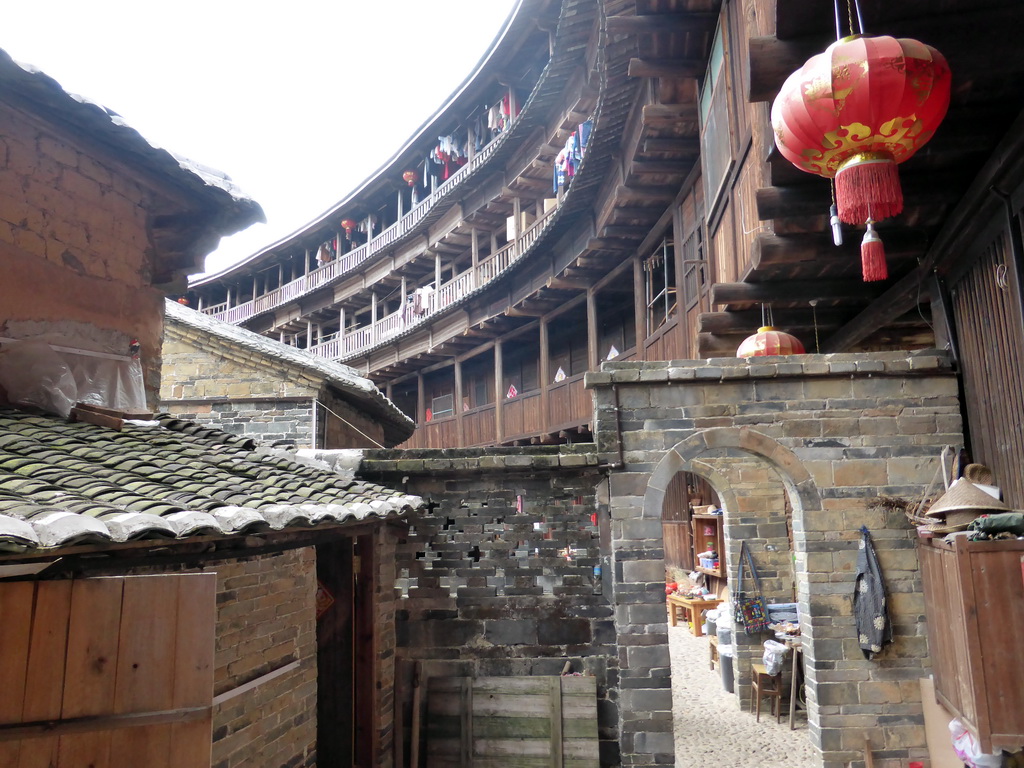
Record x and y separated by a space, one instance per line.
341 320
545 370
437 271
639 310
682 327
305 263
499 393
474 245
593 361
309 334
516 218
421 401
401 202
457 405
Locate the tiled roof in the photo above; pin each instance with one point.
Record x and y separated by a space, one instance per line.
64 483
358 389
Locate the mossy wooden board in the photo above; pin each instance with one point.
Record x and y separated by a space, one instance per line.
512 722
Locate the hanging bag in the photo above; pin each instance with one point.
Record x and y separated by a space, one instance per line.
751 610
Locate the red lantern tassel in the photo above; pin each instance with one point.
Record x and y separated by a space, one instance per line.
868 186
872 256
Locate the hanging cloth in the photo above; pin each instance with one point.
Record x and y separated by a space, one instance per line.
870 608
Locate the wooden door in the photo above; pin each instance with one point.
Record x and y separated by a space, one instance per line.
107 672
346 657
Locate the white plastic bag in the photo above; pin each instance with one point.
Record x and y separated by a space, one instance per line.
33 374
967 748
774 656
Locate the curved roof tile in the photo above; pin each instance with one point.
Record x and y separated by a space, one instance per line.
64 484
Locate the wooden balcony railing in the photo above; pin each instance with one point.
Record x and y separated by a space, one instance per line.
327 273
450 293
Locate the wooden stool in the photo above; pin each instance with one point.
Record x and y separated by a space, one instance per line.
762 684
712 651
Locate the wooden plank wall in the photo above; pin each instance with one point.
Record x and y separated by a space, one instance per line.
108 673
987 311
512 722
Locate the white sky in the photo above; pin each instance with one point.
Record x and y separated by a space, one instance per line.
297 100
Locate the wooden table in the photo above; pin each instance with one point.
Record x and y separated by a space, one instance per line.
693 606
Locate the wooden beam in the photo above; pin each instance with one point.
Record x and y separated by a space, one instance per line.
680 146
793 292
814 197
773 250
982 39
748 320
618 230
607 244
568 284
662 114
667 67
669 167
662 23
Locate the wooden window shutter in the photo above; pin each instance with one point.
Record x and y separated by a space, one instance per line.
108 672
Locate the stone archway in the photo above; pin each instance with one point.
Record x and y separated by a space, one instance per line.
842 432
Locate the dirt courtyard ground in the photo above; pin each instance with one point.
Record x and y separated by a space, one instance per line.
711 731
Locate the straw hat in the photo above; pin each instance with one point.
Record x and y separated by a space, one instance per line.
961 504
965 495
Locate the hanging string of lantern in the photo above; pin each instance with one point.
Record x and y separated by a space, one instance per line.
411 177
348 225
852 114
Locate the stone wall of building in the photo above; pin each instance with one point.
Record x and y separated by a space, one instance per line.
503 574
269 421
266 619
73 226
843 434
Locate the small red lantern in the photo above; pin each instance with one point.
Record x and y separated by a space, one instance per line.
411 177
769 341
348 225
183 301
852 114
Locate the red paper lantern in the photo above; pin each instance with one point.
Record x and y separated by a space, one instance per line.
768 341
348 225
853 113
411 177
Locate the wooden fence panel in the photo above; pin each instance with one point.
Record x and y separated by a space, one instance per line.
512 722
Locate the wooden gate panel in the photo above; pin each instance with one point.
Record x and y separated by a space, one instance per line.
109 673
93 632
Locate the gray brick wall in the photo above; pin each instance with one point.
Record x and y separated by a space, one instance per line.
824 434
499 576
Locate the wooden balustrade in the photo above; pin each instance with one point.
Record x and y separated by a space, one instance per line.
568 403
478 426
351 260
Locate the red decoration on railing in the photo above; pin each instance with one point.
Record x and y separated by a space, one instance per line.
411 177
853 113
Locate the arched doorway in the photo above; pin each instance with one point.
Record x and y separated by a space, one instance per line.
764 492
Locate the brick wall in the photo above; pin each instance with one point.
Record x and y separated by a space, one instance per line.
500 576
240 391
266 618
267 421
73 226
834 433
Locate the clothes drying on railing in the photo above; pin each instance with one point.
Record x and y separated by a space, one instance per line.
569 157
327 252
423 300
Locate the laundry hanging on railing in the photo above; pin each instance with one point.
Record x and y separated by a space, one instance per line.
326 252
569 157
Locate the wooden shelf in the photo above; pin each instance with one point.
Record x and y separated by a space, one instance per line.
717 573
700 538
